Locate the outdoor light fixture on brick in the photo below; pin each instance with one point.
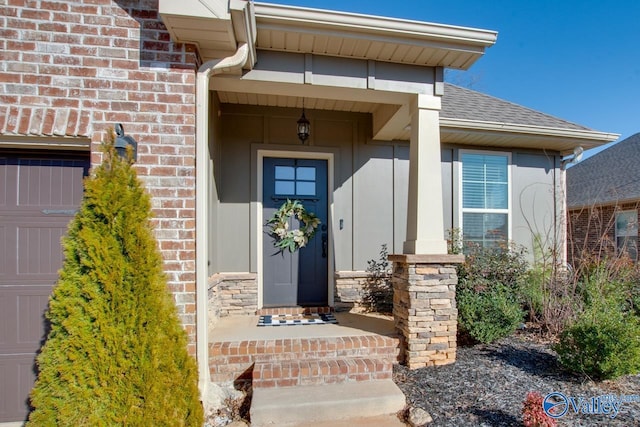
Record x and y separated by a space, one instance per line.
123 141
303 126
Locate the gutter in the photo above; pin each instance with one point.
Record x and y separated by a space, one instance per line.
231 64
527 129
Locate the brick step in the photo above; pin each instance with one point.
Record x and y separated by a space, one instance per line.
231 361
317 372
294 310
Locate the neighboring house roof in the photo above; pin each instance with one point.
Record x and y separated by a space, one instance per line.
609 177
467 104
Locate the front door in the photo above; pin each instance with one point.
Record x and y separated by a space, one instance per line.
298 278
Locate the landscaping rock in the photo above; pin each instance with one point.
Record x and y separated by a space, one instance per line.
221 405
418 417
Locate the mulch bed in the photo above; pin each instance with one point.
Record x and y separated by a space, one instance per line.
488 383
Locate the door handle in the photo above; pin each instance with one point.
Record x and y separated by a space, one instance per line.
325 244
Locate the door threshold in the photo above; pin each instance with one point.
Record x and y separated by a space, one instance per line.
295 310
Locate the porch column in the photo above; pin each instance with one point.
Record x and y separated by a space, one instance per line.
424 307
425 222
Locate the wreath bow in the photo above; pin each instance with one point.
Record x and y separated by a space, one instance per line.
292 240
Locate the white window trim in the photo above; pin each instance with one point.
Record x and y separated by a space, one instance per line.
508 211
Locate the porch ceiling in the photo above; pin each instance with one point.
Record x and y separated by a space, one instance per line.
266 100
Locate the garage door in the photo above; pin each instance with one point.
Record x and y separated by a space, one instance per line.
38 198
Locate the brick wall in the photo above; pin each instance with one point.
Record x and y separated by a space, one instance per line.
75 68
591 231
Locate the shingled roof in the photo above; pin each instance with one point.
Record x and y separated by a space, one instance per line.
611 176
467 104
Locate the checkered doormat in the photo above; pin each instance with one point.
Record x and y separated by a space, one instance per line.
297 319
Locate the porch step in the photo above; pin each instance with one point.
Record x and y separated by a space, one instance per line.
232 361
361 421
289 373
312 404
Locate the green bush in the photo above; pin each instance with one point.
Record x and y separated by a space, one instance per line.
116 353
489 315
603 344
489 285
604 341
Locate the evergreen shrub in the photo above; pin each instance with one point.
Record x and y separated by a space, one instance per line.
489 284
116 353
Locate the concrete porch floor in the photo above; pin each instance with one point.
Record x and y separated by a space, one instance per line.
245 328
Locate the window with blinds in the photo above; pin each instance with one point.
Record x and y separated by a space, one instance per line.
485 198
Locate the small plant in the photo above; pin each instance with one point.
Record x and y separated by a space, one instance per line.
550 293
454 242
378 291
533 414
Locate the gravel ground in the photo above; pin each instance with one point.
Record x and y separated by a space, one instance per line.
488 383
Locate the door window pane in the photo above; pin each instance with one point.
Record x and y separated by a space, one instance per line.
285 188
306 173
305 188
285 172
295 181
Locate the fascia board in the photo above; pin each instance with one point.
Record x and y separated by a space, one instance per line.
528 129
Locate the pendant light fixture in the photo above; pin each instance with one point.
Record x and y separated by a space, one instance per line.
303 126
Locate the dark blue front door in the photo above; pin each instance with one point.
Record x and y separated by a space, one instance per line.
298 278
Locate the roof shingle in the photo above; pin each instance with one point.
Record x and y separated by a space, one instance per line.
609 177
467 104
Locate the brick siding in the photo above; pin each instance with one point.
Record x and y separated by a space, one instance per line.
591 232
75 68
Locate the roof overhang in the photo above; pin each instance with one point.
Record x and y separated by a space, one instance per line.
328 32
218 26
498 134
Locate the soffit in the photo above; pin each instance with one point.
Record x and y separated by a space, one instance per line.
270 100
324 32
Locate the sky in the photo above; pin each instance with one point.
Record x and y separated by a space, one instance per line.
578 60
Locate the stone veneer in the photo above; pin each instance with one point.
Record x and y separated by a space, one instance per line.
232 294
424 307
349 289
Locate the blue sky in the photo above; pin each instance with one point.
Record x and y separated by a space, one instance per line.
575 59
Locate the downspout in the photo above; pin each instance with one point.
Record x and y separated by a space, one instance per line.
230 64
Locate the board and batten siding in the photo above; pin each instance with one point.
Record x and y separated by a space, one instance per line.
370 185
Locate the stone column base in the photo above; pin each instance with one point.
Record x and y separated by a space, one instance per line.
424 307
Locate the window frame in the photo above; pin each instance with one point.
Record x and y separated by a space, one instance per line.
462 210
